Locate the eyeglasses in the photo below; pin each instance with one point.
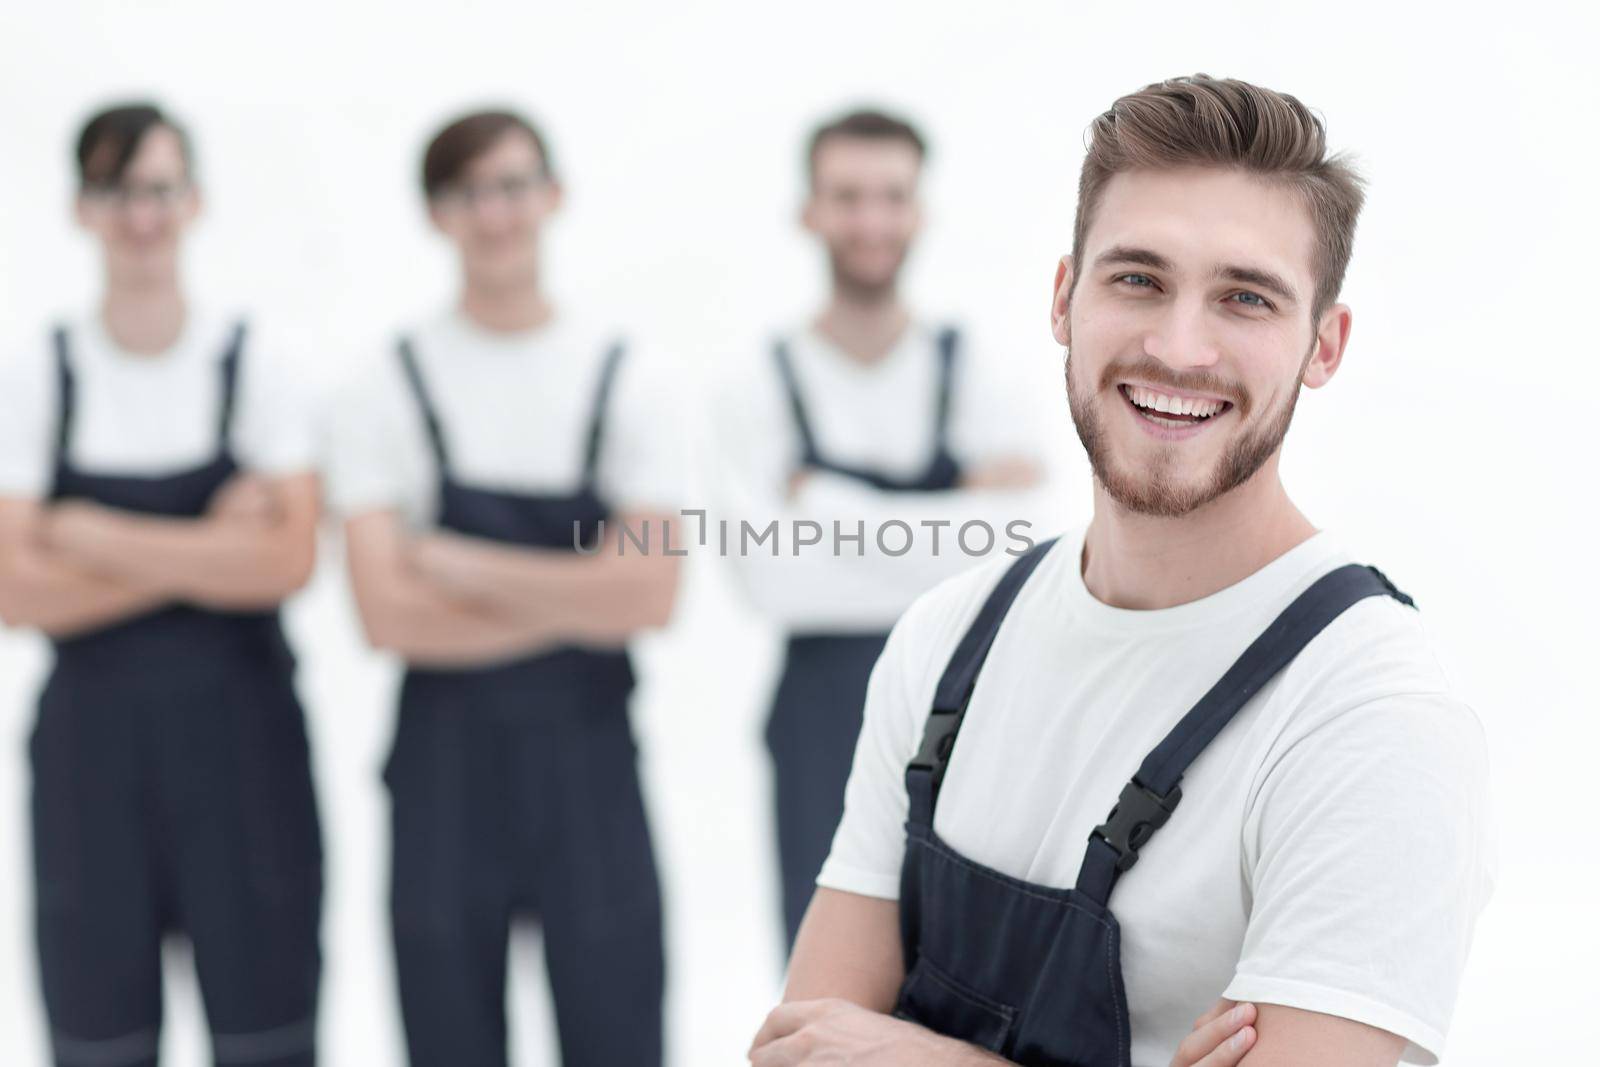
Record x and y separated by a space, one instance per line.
509 188
122 195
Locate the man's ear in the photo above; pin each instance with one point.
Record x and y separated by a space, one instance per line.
1327 349
554 196
1060 316
808 214
436 218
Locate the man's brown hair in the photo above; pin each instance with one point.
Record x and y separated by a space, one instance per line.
1205 121
866 124
469 137
111 138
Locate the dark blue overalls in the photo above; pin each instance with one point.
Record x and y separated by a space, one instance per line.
816 711
1032 972
172 792
515 792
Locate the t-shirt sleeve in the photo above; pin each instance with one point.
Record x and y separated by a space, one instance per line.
1368 857
869 844
276 428
28 411
374 445
644 462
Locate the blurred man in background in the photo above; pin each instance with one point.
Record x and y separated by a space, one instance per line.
157 504
1020 876
470 464
868 413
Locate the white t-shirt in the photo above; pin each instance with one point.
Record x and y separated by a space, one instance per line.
515 411
149 415
1332 849
880 416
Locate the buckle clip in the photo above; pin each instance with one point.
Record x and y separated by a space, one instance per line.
938 738
1138 814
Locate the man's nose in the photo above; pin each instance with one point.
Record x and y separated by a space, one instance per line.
1181 338
142 218
492 213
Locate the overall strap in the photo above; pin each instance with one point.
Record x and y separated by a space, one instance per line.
230 386
66 394
597 416
1147 801
791 386
925 772
430 416
948 341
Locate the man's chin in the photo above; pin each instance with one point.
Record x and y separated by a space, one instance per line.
1157 497
501 271
874 285
874 278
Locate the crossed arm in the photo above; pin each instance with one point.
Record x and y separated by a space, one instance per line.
846 970
446 599
74 566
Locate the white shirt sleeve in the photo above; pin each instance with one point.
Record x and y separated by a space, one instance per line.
644 450
866 584
28 413
275 426
1368 857
376 452
869 844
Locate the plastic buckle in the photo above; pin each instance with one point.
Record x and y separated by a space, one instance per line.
1393 589
1138 815
938 738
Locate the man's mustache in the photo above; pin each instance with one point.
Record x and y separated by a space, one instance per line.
1153 372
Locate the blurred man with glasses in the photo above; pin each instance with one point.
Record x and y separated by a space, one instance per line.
484 465
157 504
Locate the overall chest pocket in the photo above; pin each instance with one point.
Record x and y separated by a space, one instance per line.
932 998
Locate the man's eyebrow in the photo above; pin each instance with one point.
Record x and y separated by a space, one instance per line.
1129 254
1261 279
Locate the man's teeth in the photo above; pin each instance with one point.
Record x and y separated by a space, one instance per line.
1151 400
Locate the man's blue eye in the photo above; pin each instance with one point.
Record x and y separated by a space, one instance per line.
1253 299
1141 280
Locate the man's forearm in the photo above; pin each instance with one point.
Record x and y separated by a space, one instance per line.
584 598
43 591
428 627
206 560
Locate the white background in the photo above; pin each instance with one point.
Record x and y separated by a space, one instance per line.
1454 448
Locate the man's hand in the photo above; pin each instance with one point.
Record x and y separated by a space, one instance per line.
839 1031
1220 1037
1006 472
245 498
76 527
796 481
833 1031
437 557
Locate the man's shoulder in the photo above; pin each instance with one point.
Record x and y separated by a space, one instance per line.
27 354
1375 672
1377 646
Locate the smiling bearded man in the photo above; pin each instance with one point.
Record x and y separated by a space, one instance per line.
1326 854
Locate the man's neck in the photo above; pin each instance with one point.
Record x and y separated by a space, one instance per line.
145 318
506 309
865 327
1143 562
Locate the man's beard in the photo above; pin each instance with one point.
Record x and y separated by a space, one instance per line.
864 289
1155 491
